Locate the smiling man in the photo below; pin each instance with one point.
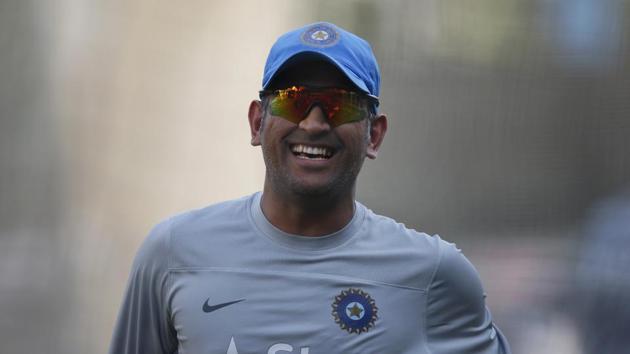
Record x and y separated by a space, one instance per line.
302 267
319 132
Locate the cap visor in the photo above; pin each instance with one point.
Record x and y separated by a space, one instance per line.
295 59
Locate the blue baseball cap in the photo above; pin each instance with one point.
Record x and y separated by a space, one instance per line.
347 51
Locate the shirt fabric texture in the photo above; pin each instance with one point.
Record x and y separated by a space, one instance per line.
224 280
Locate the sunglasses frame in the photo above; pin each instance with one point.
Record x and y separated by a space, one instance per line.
371 100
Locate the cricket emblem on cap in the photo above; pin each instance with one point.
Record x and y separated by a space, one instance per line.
354 310
320 35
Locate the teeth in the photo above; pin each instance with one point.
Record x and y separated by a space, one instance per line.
311 150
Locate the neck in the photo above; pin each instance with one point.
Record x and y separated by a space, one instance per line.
307 215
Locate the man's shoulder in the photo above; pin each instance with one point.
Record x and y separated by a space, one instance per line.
412 256
216 213
393 231
440 262
199 221
178 237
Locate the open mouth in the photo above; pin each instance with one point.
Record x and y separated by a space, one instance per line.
312 152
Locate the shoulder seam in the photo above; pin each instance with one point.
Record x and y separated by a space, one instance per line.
169 239
294 273
440 256
428 292
169 278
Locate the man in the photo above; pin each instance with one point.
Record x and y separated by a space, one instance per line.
302 267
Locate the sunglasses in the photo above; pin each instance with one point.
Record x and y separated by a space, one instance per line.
340 106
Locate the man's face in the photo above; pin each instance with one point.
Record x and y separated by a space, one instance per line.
289 168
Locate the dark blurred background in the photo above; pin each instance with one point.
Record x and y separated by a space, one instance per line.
509 124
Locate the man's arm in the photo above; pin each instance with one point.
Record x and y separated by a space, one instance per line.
457 318
143 324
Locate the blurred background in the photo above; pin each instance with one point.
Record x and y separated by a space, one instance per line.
509 125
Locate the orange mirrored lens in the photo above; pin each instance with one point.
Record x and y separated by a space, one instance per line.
340 106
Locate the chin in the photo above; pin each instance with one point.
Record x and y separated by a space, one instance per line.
311 190
287 183
334 187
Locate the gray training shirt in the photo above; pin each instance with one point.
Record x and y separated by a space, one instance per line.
223 280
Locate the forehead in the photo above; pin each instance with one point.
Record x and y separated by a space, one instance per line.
312 73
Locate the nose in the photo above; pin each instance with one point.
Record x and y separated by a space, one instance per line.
315 122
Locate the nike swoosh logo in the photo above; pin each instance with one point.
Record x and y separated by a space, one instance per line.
209 308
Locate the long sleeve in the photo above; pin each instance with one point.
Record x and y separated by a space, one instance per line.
458 321
143 324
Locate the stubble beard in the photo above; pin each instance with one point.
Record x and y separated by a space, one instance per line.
283 182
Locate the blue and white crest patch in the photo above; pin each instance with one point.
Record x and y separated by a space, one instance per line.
354 310
320 35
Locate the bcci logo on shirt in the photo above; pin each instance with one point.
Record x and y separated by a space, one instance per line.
354 310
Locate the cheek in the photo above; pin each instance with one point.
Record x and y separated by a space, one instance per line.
354 137
273 133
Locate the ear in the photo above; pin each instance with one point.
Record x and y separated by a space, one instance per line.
378 129
255 116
